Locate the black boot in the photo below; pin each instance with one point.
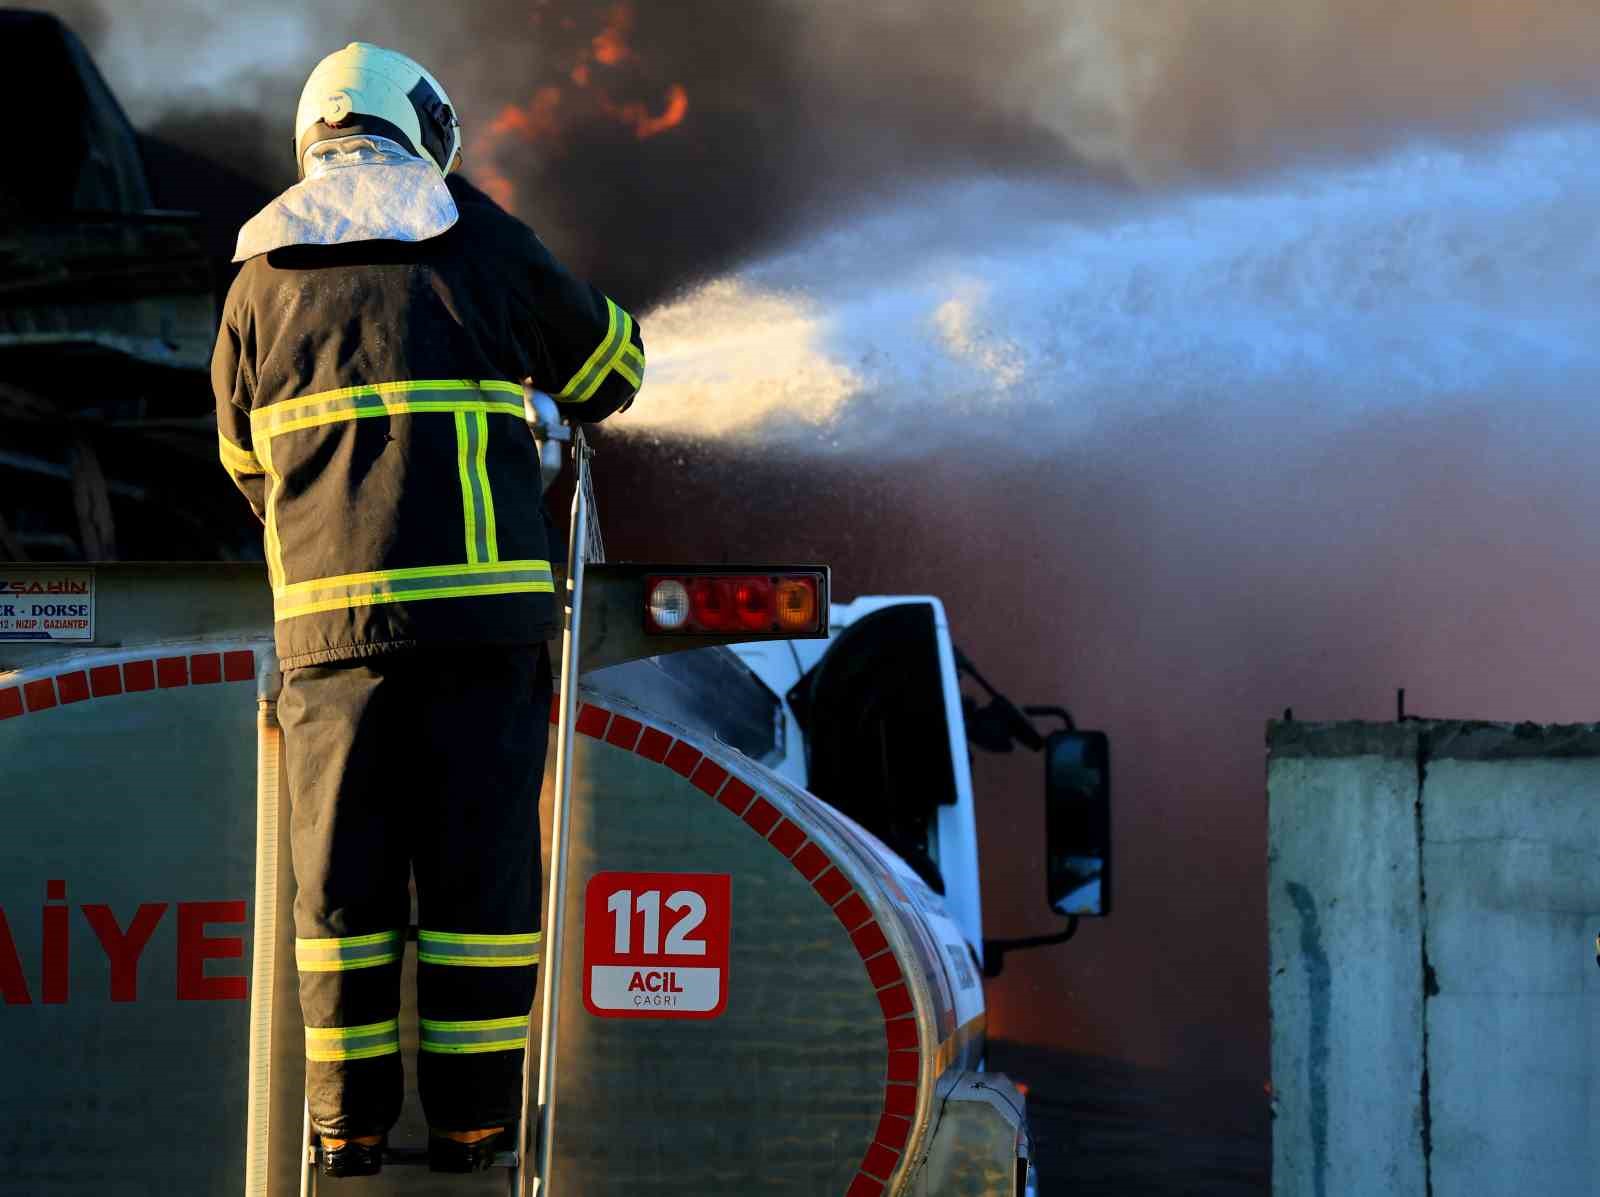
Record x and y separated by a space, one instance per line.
352 1159
452 1155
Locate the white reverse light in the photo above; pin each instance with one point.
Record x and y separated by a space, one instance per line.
669 604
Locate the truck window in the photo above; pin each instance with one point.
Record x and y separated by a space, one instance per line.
877 745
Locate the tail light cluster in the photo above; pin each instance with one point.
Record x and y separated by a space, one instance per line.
788 603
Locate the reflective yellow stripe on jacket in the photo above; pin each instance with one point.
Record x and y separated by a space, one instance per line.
480 571
630 364
238 461
386 399
412 585
615 352
472 443
274 549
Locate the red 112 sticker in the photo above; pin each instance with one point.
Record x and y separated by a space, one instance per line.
655 945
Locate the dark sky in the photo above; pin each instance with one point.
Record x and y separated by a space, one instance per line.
784 123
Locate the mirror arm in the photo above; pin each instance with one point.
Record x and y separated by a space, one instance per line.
964 665
994 950
1060 713
1016 724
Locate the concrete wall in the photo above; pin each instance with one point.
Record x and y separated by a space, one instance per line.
1434 893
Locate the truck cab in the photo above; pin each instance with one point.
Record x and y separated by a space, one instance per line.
873 726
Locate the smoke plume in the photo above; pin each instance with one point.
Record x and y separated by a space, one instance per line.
784 116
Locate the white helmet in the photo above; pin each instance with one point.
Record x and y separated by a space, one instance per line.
367 89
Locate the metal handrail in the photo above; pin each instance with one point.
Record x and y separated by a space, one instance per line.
578 555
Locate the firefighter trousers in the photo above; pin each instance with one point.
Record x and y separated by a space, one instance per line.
426 763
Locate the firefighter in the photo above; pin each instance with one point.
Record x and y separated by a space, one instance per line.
368 376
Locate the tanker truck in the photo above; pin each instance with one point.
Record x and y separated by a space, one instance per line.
764 950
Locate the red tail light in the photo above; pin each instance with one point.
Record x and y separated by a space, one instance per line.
705 602
752 604
710 604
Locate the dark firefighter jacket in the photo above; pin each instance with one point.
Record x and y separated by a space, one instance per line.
369 406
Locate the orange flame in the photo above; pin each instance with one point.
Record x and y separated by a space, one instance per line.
534 121
610 45
539 120
644 124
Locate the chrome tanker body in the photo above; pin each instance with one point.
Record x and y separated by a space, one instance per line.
760 990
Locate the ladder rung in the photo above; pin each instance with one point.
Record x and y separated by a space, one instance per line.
414 1157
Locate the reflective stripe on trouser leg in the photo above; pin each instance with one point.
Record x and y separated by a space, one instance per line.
347 734
329 967
469 1069
466 1038
463 973
355 1080
327 1044
477 951
335 955
476 860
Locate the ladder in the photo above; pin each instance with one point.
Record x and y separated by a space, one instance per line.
528 1165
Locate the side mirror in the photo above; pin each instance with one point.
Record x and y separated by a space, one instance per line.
1077 819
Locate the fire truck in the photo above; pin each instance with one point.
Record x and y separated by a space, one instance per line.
764 952
764 956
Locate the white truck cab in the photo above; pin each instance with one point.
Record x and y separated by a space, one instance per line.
904 699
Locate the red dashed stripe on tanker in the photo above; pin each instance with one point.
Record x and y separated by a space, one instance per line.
31 695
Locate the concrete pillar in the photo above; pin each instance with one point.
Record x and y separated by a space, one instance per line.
1346 956
1435 890
1511 857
